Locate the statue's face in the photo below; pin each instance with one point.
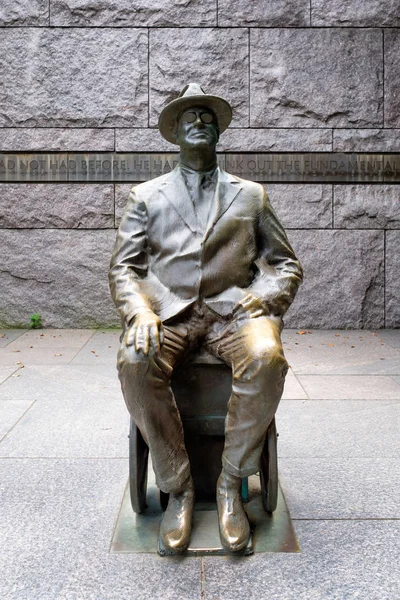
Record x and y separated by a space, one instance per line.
197 127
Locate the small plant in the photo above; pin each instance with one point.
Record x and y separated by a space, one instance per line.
36 321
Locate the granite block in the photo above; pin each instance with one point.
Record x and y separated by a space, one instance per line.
14 139
366 140
79 412
340 352
75 77
366 206
290 85
357 429
72 206
56 535
343 284
275 140
141 13
347 13
142 140
302 205
24 13
350 387
45 346
232 140
11 411
61 274
341 488
258 13
392 279
392 77
339 560
8 335
207 55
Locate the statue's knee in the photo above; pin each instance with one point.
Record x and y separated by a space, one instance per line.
272 360
128 357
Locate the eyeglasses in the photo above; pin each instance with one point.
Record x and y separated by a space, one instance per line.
191 117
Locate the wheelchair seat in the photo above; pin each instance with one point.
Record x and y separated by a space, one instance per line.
202 387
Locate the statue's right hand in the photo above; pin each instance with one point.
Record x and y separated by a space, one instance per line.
146 333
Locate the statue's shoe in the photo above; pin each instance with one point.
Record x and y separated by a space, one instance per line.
176 525
234 528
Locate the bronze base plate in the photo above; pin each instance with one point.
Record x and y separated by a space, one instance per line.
270 533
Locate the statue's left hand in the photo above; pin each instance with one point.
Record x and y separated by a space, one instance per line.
146 333
252 305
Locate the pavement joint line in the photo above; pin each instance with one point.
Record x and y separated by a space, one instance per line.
346 519
63 457
303 400
85 344
345 374
330 457
18 336
301 385
16 423
11 374
117 518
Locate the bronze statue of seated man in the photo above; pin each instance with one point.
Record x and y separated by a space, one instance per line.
201 258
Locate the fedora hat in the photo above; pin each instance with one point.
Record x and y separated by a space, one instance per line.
192 95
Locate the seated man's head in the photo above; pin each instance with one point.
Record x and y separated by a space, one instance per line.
194 119
197 127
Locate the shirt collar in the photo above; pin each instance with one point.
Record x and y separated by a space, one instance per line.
188 172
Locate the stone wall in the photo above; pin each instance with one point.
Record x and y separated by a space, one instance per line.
301 75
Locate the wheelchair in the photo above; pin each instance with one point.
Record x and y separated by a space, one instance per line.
202 387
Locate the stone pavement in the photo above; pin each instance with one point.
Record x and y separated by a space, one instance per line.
63 462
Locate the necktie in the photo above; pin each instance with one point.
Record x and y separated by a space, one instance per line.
203 197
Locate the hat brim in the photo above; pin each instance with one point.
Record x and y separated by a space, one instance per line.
170 114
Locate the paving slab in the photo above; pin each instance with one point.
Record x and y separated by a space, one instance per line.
293 390
352 352
8 335
350 387
10 413
45 346
101 349
341 488
340 560
79 412
56 526
338 428
391 337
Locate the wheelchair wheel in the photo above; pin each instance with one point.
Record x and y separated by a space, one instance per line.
138 460
269 470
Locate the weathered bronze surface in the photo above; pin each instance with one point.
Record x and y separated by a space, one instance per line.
114 167
201 259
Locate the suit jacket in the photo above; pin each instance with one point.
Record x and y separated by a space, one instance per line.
163 258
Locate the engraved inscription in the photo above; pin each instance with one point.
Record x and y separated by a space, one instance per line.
263 167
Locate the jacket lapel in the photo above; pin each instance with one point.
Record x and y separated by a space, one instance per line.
226 191
175 191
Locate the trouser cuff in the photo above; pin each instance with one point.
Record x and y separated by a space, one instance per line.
174 483
243 472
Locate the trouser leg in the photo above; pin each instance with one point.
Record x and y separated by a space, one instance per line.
253 349
146 386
